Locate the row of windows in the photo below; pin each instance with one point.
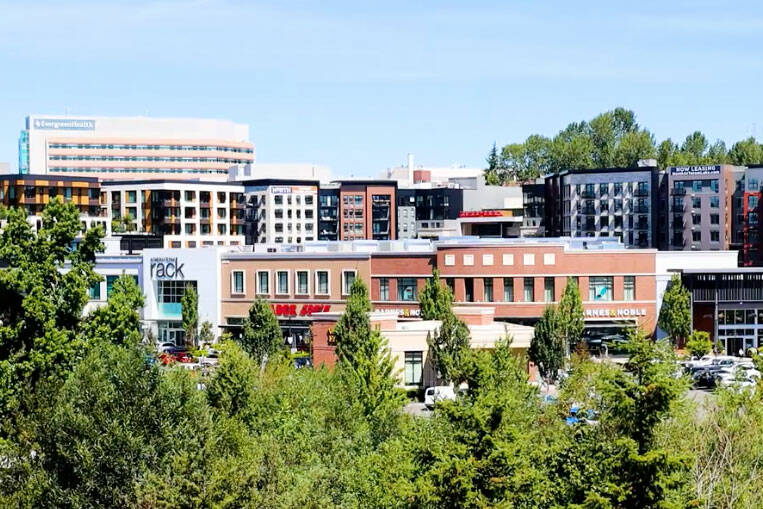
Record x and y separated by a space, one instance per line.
296 226
157 159
297 214
506 258
282 281
278 199
600 289
696 236
112 146
640 188
64 169
94 293
697 185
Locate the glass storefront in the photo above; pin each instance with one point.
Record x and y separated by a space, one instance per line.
740 329
171 332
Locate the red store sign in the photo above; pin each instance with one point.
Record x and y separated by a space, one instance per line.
305 310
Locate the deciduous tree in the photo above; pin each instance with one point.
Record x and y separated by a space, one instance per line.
435 299
189 308
547 345
675 313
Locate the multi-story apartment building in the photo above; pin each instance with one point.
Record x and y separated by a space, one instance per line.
606 202
186 213
534 203
281 211
328 212
701 206
752 243
358 209
132 147
34 192
406 213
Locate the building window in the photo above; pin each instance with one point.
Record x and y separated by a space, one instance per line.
488 285
110 280
322 282
406 289
508 289
508 259
752 202
548 289
714 202
413 368
282 282
529 295
715 236
348 277
752 218
600 288
528 259
303 285
263 282
629 288
95 291
549 259
131 197
468 259
696 236
715 219
450 260
487 259
383 288
237 282
696 202
696 219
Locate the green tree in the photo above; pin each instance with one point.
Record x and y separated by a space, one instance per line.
206 335
699 343
570 313
261 336
493 171
117 322
189 306
365 363
675 313
449 348
234 382
435 299
40 304
547 345
746 151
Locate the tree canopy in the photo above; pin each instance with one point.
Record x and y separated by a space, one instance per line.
675 313
610 139
261 336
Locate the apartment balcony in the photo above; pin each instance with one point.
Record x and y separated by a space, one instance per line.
678 191
588 194
678 206
204 220
641 209
588 211
641 192
642 225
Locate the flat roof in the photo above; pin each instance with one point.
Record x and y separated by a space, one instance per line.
277 182
168 181
576 171
43 176
738 270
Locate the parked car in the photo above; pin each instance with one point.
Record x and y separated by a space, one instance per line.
166 347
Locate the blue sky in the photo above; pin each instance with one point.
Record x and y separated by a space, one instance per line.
357 85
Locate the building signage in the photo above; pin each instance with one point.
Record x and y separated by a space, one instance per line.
401 313
166 268
615 313
305 310
64 124
484 213
292 189
695 170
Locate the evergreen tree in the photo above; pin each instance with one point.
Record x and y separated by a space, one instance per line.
571 317
365 363
261 336
547 345
435 299
189 305
675 313
449 349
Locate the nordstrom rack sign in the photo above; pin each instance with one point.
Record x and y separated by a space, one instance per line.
166 268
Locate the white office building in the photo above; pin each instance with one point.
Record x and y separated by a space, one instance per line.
132 147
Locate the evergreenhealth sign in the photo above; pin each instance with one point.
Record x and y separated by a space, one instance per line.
70 124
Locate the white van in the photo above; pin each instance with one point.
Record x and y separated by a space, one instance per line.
438 393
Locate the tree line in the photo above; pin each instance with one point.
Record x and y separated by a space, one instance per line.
610 139
91 419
